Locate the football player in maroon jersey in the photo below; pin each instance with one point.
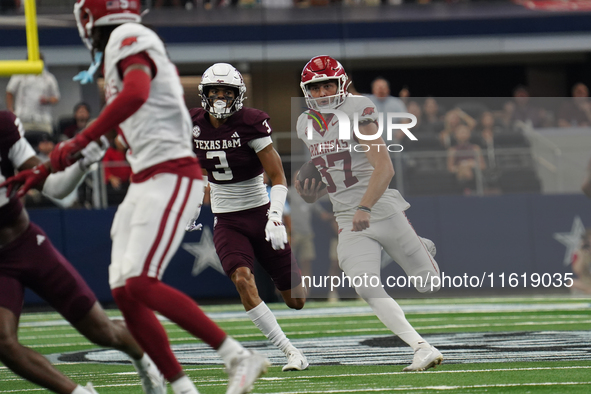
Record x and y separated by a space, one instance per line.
234 146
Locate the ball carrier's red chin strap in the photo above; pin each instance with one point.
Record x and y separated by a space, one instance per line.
135 92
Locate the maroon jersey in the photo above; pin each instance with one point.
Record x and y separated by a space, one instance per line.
225 152
14 151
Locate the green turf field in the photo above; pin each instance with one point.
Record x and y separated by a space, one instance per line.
490 345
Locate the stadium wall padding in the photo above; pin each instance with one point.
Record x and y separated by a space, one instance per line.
474 236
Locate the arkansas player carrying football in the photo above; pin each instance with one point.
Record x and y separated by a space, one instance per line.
370 216
145 99
234 146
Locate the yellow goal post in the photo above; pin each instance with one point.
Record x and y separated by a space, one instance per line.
34 65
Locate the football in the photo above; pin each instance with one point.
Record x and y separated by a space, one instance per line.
309 171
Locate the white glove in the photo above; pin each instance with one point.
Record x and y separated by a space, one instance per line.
275 233
193 225
93 153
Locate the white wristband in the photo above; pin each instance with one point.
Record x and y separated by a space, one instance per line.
277 196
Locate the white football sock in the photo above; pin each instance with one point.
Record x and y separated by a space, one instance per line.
80 390
265 320
230 349
184 385
390 313
144 364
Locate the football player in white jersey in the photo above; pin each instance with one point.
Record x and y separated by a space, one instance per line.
370 216
145 101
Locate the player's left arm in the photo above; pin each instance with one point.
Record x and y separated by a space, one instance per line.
275 230
380 178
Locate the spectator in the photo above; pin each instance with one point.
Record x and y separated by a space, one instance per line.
384 102
415 109
453 119
463 157
77 123
505 115
45 146
404 94
524 112
581 266
117 175
576 112
431 118
30 97
487 128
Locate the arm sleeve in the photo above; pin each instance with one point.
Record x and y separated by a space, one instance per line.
60 184
20 152
260 143
13 84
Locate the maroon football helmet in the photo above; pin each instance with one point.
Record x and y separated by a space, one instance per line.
320 69
91 13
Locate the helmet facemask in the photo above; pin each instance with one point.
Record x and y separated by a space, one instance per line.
84 21
221 107
326 102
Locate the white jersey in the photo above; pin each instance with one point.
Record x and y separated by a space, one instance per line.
345 171
161 129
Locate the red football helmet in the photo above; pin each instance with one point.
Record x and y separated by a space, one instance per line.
91 13
324 68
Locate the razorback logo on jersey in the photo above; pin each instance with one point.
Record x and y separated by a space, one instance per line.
368 111
128 41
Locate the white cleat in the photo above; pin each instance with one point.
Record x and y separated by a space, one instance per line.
244 371
152 380
430 245
90 388
296 361
424 359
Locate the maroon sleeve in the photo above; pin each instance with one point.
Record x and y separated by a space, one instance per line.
9 132
259 122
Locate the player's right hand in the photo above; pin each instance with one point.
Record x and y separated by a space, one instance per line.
309 191
275 233
25 180
67 152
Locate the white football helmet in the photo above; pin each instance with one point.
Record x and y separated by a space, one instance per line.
224 75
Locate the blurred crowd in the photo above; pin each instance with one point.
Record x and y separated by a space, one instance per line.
472 131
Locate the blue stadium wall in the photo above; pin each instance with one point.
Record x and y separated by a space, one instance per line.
474 236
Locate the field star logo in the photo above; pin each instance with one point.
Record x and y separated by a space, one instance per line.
204 253
571 240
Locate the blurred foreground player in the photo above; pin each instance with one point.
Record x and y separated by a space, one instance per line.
369 215
234 145
28 259
145 99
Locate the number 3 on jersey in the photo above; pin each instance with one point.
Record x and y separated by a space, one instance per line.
332 159
225 173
